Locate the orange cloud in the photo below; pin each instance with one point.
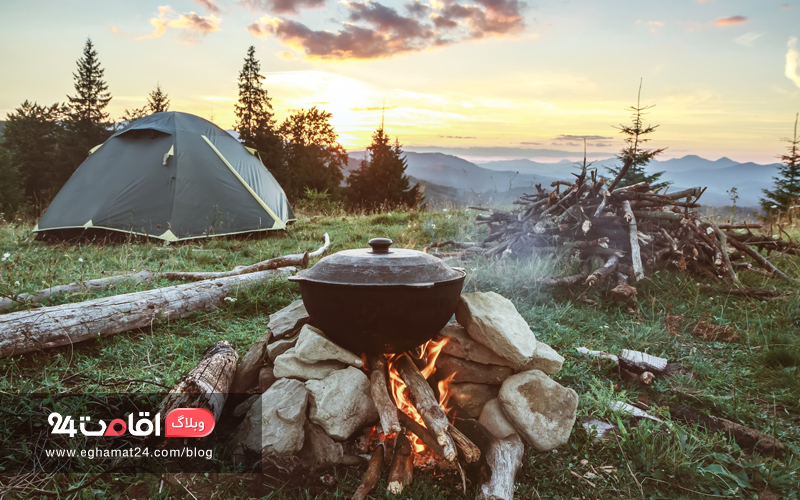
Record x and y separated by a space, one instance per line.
209 5
192 26
730 21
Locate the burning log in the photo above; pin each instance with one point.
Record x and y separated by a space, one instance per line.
504 459
39 329
426 404
207 384
425 435
380 395
401 470
373 474
468 449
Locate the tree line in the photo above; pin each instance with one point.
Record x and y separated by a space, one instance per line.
42 146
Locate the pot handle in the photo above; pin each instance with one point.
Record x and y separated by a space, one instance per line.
380 245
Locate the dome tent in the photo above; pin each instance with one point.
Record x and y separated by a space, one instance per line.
172 176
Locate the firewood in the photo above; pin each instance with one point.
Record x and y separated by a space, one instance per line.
66 324
476 433
427 437
379 389
636 256
761 260
603 272
426 404
504 460
468 449
641 362
401 470
373 474
276 263
745 437
207 384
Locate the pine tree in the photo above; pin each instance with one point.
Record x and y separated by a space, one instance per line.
157 100
92 97
255 119
635 136
381 180
786 194
313 157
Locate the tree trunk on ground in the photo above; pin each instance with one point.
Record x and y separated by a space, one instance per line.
504 459
46 327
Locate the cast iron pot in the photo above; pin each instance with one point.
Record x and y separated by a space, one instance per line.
380 300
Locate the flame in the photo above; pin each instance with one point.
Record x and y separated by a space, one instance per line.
399 390
444 392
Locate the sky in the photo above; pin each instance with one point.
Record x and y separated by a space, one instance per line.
510 78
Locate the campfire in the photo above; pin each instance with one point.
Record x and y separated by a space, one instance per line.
463 402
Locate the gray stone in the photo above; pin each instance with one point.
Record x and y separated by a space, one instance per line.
546 359
461 345
278 347
462 370
243 407
341 403
312 347
288 320
274 423
246 376
266 377
495 421
470 398
542 410
492 320
321 452
288 365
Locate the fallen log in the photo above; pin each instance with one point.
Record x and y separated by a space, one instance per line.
87 286
401 469
373 474
426 404
207 384
745 437
504 460
379 390
66 324
639 362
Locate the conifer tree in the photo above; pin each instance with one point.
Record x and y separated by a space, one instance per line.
636 135
255 119
381 179
88 105
157 100
786 194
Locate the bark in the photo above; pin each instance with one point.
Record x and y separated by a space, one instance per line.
633 233
373 474
469 450
66 324
641 362
95 285
504 460
207 384
426 404
379 389
745 437
401 470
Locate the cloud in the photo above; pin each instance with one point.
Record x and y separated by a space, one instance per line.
569 138
372 30
792 62
730 21
748 38
192 26
283 6
209 5
457 137
529 143
786 6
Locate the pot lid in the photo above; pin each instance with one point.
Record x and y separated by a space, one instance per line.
380 265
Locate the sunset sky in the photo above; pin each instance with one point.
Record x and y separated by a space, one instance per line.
516 76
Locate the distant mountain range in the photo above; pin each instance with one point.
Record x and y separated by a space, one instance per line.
504 180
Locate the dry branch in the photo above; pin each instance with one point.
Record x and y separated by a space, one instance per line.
373 474
66 324
504 459
300 259
468 449
427 437
636 257
379 389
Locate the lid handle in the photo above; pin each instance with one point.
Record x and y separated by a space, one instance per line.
380 245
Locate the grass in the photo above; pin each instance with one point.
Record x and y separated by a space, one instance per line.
753 380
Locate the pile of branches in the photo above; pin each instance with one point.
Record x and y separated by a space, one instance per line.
633 230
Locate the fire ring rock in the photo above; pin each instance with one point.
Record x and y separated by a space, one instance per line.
274 425
542 410
340 403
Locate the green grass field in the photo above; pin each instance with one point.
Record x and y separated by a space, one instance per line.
753 379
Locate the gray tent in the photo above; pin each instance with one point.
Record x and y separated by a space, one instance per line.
172 176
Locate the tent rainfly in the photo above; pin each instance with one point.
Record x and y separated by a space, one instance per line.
172 176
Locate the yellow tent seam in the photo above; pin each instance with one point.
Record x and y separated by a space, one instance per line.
272 214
